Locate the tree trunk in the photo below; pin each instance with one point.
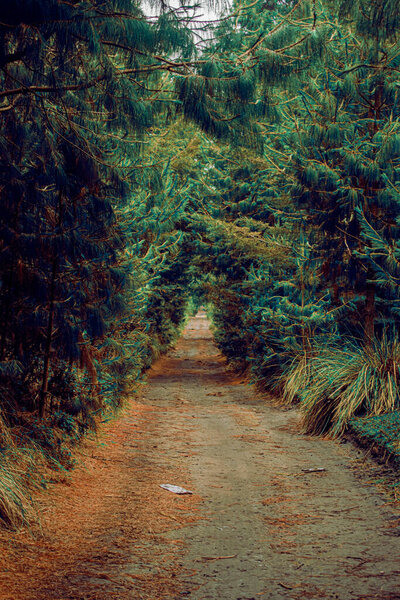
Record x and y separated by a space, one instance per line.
49 335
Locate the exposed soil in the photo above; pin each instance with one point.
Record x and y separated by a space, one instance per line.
258 525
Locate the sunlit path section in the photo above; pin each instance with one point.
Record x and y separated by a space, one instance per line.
198 327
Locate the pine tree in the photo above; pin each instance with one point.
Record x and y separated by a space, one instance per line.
346 158
78 84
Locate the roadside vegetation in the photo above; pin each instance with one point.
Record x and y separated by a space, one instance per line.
152 163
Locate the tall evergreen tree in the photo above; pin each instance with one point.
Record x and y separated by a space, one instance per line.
79 88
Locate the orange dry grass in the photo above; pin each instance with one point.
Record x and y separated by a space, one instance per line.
103 535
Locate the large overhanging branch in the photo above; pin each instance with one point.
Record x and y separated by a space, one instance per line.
33 89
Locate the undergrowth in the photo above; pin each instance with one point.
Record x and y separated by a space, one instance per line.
35 451
27 463
335 384
381 430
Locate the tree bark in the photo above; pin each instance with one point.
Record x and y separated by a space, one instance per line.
49 336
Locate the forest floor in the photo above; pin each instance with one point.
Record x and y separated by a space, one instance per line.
258 525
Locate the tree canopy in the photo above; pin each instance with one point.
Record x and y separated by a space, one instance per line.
153 160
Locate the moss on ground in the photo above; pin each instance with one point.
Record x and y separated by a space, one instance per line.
382 431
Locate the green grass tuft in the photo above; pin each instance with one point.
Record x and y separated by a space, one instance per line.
335 384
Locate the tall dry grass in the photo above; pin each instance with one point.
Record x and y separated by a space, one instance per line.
23 468
335 384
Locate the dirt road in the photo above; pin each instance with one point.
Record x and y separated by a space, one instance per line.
258 525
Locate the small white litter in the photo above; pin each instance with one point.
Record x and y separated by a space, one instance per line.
314 470
175 489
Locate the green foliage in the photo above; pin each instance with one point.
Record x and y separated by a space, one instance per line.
255 170
382 431
336 383
90 222
302 240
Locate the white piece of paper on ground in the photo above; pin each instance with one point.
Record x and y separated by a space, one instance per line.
314 470
175 489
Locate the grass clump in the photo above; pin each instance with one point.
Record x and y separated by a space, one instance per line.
336 384
33 452
296 378
18 474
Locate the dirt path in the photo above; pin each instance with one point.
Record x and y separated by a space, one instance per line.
258 526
